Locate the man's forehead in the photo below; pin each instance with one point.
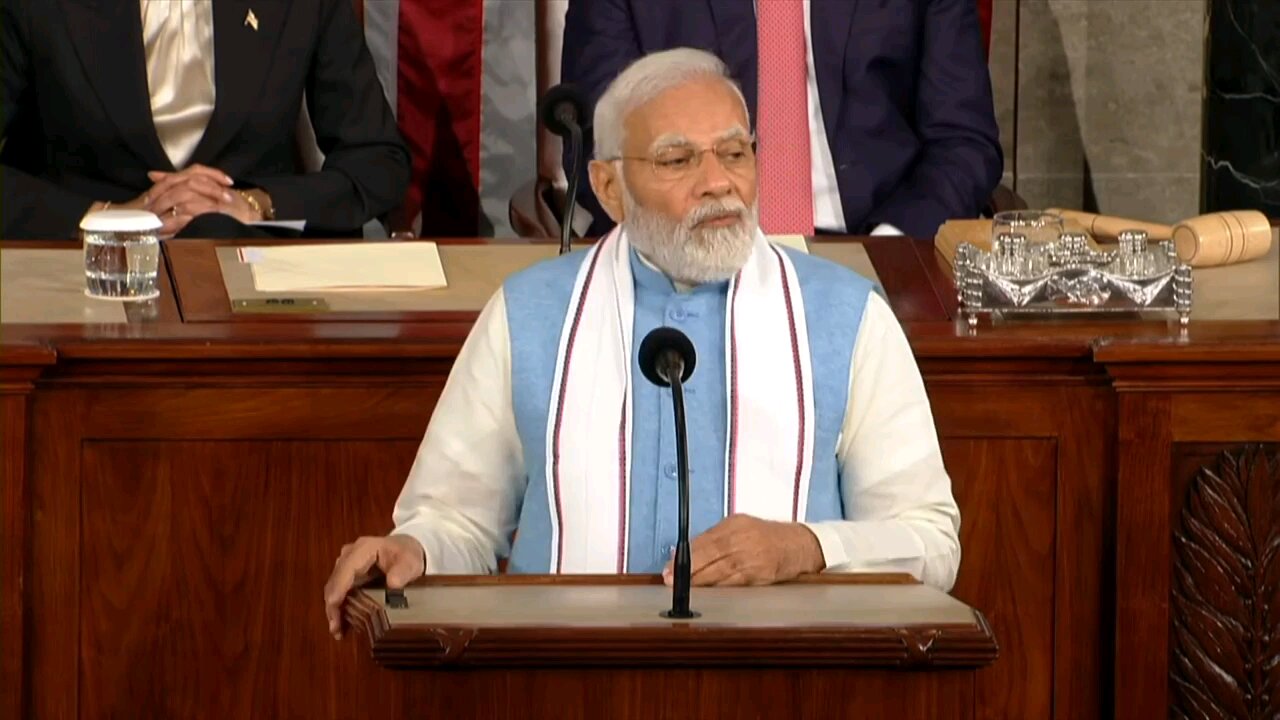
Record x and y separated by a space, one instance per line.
700 111
671 139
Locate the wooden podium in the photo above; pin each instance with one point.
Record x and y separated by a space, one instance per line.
597 647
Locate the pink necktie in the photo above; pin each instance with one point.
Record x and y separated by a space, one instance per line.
782 123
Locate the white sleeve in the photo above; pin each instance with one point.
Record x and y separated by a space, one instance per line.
463 493
899 512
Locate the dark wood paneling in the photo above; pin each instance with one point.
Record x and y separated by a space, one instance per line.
1007 492
1226 416
23 365
1084 564
939 275
13 521
53 616
1233 342
1142 556
202 564
285 413
898 268
1077 501
1000 411
589 694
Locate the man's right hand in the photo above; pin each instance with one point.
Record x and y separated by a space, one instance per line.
398 557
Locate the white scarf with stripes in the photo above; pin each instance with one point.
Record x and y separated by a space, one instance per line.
769 407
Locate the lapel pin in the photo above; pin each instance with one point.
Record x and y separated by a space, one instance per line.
251 20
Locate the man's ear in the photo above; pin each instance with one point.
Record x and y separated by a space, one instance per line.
608 188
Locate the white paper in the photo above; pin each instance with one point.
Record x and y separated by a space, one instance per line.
795 242
345 266
298 225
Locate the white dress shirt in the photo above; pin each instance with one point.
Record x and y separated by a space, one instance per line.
466 485
828 213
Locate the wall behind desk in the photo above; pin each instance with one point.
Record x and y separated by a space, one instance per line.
1099 103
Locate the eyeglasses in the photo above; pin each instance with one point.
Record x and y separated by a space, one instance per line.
675 162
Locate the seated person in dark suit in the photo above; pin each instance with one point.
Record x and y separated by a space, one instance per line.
871 117
190 110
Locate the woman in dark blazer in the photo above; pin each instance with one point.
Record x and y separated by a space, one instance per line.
95 94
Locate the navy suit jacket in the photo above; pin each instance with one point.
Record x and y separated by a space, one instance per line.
903 86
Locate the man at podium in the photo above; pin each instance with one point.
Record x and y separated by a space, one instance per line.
811 441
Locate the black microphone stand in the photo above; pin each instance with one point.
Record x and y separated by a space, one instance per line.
682 570
571 195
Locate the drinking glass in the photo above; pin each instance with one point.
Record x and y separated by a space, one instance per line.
121 254
1038 226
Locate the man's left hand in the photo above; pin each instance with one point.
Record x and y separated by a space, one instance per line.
745 550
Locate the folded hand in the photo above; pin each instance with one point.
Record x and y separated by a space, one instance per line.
177 197
745 550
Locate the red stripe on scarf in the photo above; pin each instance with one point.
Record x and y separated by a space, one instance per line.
795 358
564 383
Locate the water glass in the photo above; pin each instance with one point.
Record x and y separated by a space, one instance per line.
1037 226
121 254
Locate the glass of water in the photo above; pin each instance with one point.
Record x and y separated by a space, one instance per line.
121 254
1037 226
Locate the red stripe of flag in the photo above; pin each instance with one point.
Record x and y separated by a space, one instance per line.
439 57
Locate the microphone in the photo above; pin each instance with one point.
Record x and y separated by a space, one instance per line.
667 359
563 112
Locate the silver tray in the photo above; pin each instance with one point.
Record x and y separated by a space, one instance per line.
1067 276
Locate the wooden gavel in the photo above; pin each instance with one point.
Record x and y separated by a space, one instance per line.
1219 238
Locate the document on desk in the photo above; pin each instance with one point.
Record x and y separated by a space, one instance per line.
795 242
345 267
295 225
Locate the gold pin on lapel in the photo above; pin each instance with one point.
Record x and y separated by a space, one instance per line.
251 20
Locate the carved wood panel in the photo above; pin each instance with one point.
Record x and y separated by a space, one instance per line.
1225 589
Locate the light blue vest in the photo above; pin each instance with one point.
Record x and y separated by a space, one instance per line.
537 300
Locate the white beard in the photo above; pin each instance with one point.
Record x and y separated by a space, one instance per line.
689 256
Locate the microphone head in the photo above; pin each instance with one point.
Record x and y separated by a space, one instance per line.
655 349
561 107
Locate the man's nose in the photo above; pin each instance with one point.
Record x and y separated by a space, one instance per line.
712 178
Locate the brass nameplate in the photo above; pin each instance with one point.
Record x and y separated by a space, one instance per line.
280 305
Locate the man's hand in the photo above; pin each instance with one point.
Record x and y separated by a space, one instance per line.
399 557
745 550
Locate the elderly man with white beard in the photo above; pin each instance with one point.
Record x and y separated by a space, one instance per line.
812 444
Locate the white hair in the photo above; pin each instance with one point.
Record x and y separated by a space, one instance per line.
642 81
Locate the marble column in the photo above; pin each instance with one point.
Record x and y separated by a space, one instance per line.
1241 146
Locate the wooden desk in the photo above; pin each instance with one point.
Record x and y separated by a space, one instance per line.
186 485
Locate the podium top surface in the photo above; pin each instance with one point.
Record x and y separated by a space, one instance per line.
882 621
622 606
